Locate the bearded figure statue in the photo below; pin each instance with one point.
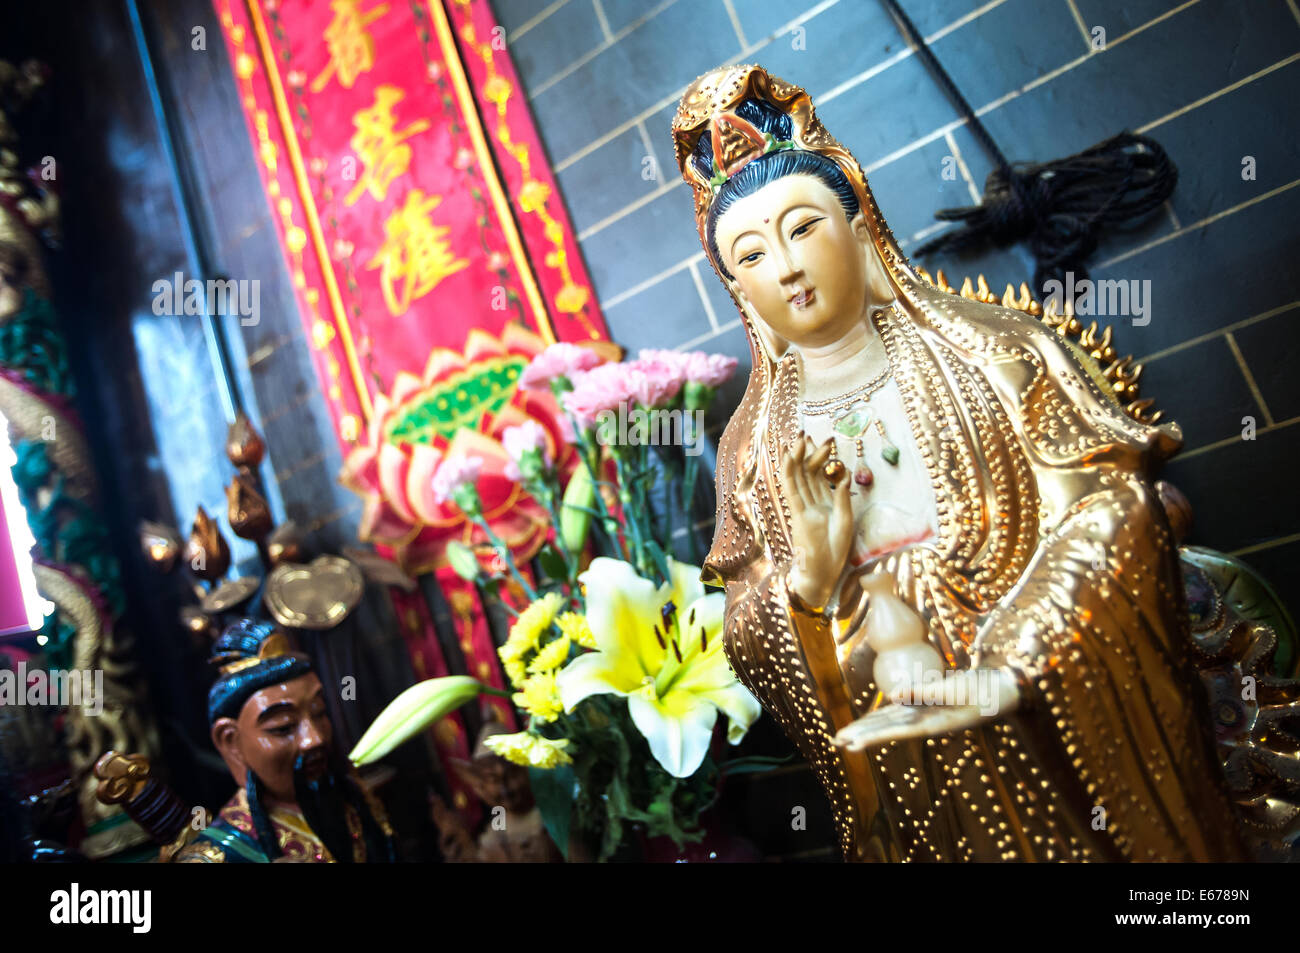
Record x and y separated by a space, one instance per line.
295 800
949 572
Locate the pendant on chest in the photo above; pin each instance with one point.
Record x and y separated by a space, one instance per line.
854 423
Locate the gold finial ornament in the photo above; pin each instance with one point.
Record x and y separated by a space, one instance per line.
206 551
250 517
198 623
284 545
1028 657
160 544
244 445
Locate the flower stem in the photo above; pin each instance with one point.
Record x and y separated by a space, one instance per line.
627 497
509 559
692 468
546 491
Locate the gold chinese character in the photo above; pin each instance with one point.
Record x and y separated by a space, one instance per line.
352 50
381 148
415 252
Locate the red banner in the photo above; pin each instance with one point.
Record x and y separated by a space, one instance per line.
411 193
429 248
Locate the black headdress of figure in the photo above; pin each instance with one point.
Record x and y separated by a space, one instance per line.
251 656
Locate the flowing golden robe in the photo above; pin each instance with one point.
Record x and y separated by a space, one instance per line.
1054 550
1053 557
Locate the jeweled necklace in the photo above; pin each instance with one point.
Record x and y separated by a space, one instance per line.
852 416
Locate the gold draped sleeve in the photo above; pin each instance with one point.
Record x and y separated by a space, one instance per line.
1110 704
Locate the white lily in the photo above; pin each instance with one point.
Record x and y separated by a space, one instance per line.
661 648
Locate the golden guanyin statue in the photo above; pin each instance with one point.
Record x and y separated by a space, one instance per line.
949 573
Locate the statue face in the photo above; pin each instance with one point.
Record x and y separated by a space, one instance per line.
276 725
804 268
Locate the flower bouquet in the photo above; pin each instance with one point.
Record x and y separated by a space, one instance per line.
615 649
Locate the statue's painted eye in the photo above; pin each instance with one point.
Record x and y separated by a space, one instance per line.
750 258
804 228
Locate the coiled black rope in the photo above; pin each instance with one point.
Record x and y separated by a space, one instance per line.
1062 207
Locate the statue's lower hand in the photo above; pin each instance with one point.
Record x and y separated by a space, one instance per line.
821 521
936 706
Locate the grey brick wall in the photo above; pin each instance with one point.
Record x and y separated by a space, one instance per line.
1212 80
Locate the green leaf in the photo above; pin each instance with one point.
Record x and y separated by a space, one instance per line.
463 561
553 792
662 817
660 560
553 563
755 763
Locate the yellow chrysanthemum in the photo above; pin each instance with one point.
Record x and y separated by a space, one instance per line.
528 628
515 670
512 747
551 656
540 697
547 754
577 628
530 750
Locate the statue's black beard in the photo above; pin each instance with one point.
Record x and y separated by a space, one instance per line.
323 807
324 802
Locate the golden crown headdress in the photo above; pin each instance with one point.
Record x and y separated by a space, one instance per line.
708 107
736 143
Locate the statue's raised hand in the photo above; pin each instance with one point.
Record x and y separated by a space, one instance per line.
821 521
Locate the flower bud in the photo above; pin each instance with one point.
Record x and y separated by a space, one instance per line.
411 712
575 515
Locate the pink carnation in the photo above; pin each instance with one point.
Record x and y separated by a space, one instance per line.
454 473
530 435
595 391
711 370
559 360
673 359
654 381
519 440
